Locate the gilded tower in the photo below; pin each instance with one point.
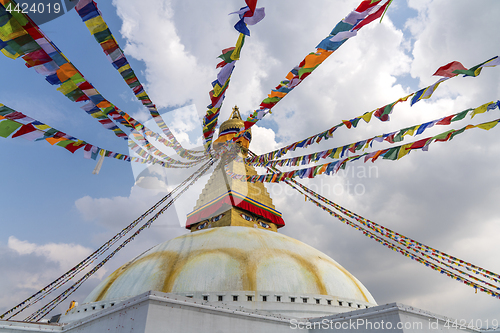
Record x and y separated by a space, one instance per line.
229 202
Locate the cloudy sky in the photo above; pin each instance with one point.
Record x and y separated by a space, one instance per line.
55 211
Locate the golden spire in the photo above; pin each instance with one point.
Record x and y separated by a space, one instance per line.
230 202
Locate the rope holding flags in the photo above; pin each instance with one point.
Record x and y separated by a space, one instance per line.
393 137
366 12
399 244
394 153
450 70
91 16
15 124
248 15
44 56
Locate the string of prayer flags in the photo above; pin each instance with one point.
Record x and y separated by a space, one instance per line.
418 256
15 124
248 15
366 12
24 38
381 113
394 153
48 60
91 16
342 151
406 241
386 236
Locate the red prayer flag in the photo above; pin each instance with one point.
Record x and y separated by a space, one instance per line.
32 31
251 4
347 123
371 17
37 57
419 144
365 5
446 120
447 70
85 86
82 98
390 138
25 129
72 147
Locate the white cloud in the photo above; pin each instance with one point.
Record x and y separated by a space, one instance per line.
63 254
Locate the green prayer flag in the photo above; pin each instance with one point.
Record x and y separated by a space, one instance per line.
388 109
461 115
19 17
4 110
392 154
103 36
25 44
64 143
271 100
355 122
7 127
442 136
227 56
457 132
303 71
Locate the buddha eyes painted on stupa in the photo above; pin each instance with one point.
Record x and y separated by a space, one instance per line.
202 225
246 217
264 225
217 218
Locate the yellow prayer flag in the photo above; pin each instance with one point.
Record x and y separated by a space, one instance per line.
337 153
67 87
11 30
10 55
404 99
142 94
96 25
237 49
410 132
489 125
367 116
98 115
42 127
78 143
482 109
403 151
124 68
